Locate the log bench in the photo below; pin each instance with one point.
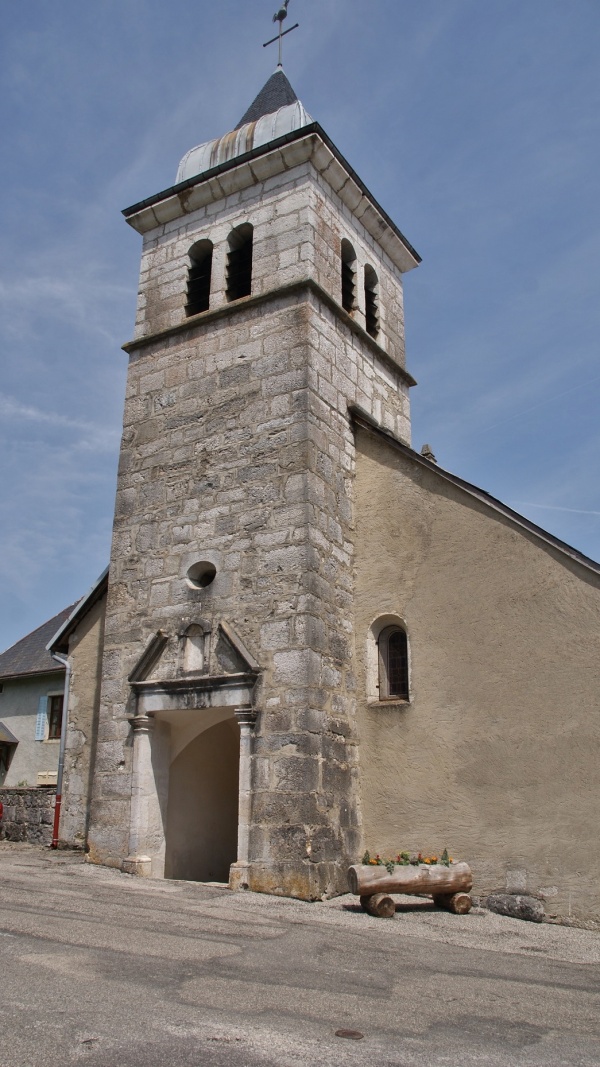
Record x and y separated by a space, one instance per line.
448 886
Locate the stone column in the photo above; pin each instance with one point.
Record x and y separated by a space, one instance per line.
142 783
238 873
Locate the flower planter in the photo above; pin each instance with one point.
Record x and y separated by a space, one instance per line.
448 886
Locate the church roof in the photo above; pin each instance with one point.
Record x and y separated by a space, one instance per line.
275 112
275 94
29 655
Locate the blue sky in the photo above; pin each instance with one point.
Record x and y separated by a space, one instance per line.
476 125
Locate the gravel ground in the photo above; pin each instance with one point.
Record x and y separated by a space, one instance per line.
100 966
569 941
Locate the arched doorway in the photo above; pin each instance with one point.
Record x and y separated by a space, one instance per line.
202 809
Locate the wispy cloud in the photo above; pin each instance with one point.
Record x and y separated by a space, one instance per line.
56 522
552 507
539 404
101 438
478 133
79 301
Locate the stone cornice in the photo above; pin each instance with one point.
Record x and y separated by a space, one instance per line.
309 144
196 682
308 285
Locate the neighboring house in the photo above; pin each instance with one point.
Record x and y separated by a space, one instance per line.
31 708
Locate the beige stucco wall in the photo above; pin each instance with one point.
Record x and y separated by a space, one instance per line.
496 755
85 654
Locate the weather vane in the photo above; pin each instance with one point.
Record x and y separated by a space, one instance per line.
279 17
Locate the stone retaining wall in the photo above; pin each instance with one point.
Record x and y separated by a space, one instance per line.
28 815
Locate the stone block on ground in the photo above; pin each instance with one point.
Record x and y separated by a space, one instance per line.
516 906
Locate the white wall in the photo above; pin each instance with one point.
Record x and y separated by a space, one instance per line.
18 711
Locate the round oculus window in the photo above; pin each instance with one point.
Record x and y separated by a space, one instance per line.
201 574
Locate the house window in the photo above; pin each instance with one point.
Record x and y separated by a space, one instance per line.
199 275
371 302
393 664
55 714
5 754
239 262
348 276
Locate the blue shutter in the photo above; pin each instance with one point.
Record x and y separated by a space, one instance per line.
42 719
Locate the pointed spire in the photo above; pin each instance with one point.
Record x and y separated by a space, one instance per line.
275 94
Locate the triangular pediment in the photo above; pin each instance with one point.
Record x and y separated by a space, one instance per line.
196 648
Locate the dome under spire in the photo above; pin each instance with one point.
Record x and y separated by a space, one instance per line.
275 112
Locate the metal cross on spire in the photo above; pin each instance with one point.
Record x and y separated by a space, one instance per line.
279 16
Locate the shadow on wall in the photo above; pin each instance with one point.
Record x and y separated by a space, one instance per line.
202 815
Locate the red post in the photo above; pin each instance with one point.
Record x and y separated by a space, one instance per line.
57 804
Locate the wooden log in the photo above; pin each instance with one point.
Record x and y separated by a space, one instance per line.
457 903
436 879
380 905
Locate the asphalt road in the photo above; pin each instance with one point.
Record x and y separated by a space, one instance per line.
102 969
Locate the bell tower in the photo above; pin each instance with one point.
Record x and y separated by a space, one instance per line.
270 305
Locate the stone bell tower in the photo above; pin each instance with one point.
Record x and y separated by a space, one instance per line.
270 304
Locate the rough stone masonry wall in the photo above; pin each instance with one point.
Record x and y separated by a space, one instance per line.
237 448
28 815
318 722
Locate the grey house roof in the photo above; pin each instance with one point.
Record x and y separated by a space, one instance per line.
29 655
276 93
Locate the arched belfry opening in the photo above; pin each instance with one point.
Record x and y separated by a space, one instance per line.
199 277
239 262
371 301
348 275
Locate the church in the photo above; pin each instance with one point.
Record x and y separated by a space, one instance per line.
313 640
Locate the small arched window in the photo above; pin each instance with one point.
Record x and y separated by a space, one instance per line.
239 262
371 301
348 276
393 664
199 275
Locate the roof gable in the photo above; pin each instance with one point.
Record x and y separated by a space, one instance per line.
364 420
59 639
